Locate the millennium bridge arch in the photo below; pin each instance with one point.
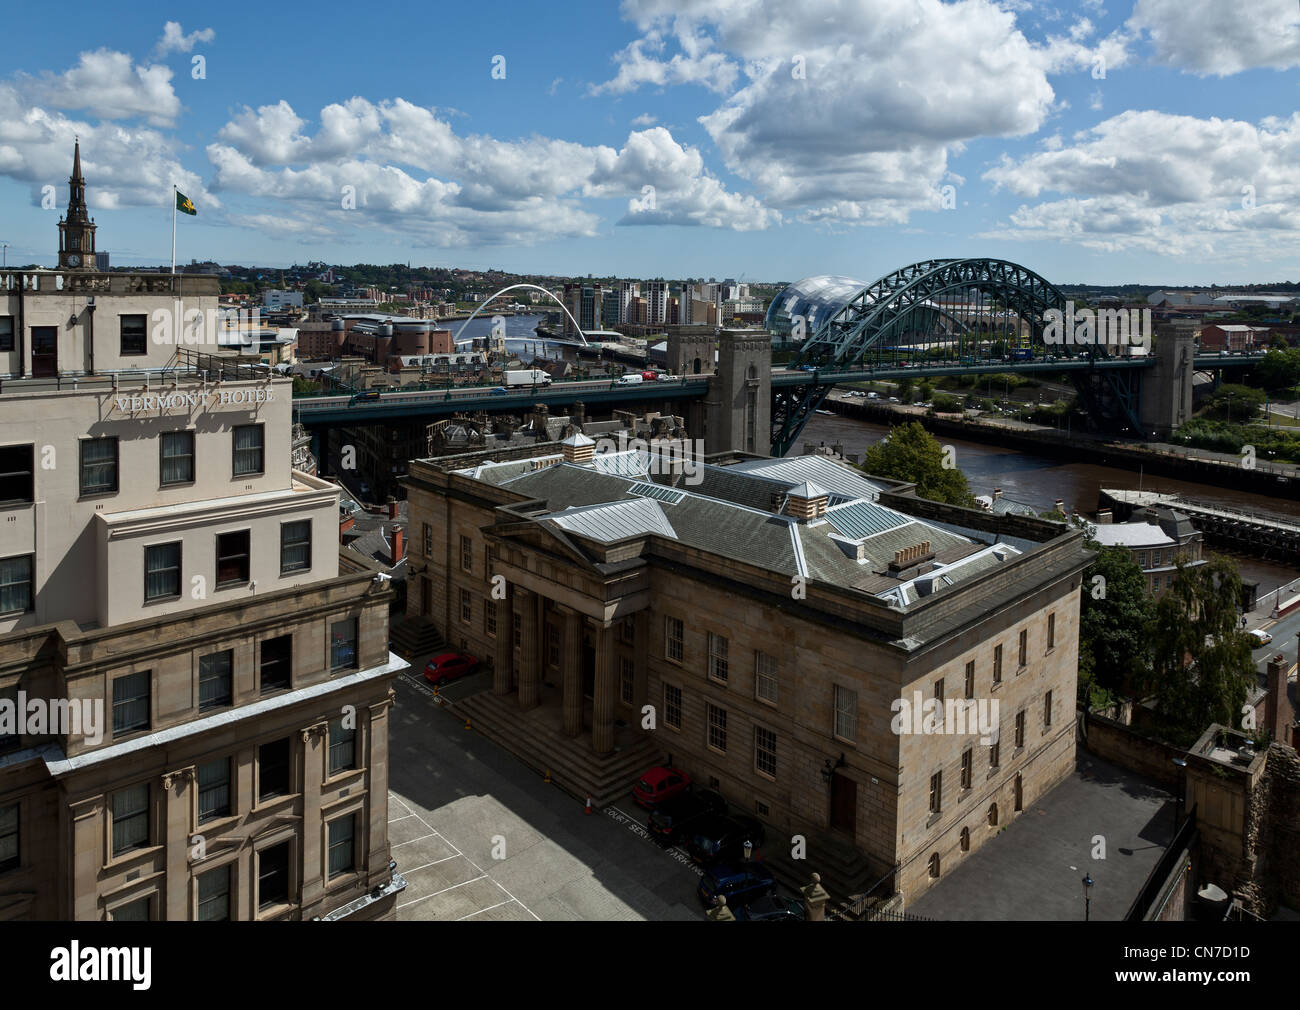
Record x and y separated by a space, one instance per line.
974 312
511 287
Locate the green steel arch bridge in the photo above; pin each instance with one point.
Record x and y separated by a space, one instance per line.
958 317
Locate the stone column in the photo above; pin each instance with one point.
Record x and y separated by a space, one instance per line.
378 849
572 671
505 644
315 755
87 859
177 789
529 675
602 717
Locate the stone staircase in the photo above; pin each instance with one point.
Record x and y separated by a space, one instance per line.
415 637
537 740
845 872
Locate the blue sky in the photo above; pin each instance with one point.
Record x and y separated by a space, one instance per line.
1151 141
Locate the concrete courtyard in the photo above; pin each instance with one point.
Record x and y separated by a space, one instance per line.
1034 869
479 836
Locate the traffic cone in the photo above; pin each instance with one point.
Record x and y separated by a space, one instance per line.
467 722
588 810
435 690
548 776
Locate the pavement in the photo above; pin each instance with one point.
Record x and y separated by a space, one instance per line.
1034 868
478 835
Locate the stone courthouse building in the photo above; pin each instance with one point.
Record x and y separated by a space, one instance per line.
212 692
755 624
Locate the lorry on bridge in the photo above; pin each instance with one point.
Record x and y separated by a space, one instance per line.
527 377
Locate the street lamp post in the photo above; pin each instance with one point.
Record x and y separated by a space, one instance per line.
1087 896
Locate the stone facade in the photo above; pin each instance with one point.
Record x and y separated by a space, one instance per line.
740 679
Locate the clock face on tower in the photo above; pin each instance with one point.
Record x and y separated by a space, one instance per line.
74 260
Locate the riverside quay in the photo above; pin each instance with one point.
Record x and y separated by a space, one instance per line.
755 625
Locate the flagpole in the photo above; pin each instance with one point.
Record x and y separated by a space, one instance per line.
173 227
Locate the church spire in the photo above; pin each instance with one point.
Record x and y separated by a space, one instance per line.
77 230
77 188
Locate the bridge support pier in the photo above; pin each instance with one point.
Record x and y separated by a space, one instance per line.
738 406
1167 389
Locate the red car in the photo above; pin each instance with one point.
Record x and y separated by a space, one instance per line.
650 376
659 784
449 666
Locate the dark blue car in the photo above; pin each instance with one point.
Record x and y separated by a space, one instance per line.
739 883
771 908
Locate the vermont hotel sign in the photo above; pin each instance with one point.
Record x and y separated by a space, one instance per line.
190 400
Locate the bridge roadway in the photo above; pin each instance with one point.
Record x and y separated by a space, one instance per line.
392 406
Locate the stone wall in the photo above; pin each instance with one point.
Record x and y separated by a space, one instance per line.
1122 745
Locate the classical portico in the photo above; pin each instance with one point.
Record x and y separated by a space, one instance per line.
556 643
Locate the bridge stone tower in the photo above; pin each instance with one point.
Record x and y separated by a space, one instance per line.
1167 388
690 349
690 352
739 401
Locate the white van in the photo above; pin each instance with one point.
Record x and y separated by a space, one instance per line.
630 379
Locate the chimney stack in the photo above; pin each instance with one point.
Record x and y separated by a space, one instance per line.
1105 517
1278 714
399 544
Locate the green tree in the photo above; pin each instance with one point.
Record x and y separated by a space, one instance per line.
1280 369
1115 618
911 453
1201 663
1233 402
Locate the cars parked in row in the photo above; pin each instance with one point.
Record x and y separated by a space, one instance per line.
449 666
719 838
739 883
672 819
659 785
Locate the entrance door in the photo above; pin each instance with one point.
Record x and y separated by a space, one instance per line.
1020 793
844 804
45 351
426 594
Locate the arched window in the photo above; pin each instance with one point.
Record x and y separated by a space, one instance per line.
993 816
753 372
934 865
697 366
965 839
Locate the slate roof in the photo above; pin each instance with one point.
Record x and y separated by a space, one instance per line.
616 520
731 514
832 475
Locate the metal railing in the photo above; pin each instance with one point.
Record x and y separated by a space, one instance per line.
1160 874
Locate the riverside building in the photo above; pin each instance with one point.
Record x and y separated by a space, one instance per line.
161 562
755 625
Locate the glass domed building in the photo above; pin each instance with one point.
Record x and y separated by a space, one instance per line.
814 298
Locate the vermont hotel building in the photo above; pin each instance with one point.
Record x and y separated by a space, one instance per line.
204 695
754 623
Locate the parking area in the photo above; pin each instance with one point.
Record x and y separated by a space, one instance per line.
477 835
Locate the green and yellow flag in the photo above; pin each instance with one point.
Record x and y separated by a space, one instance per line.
184 204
